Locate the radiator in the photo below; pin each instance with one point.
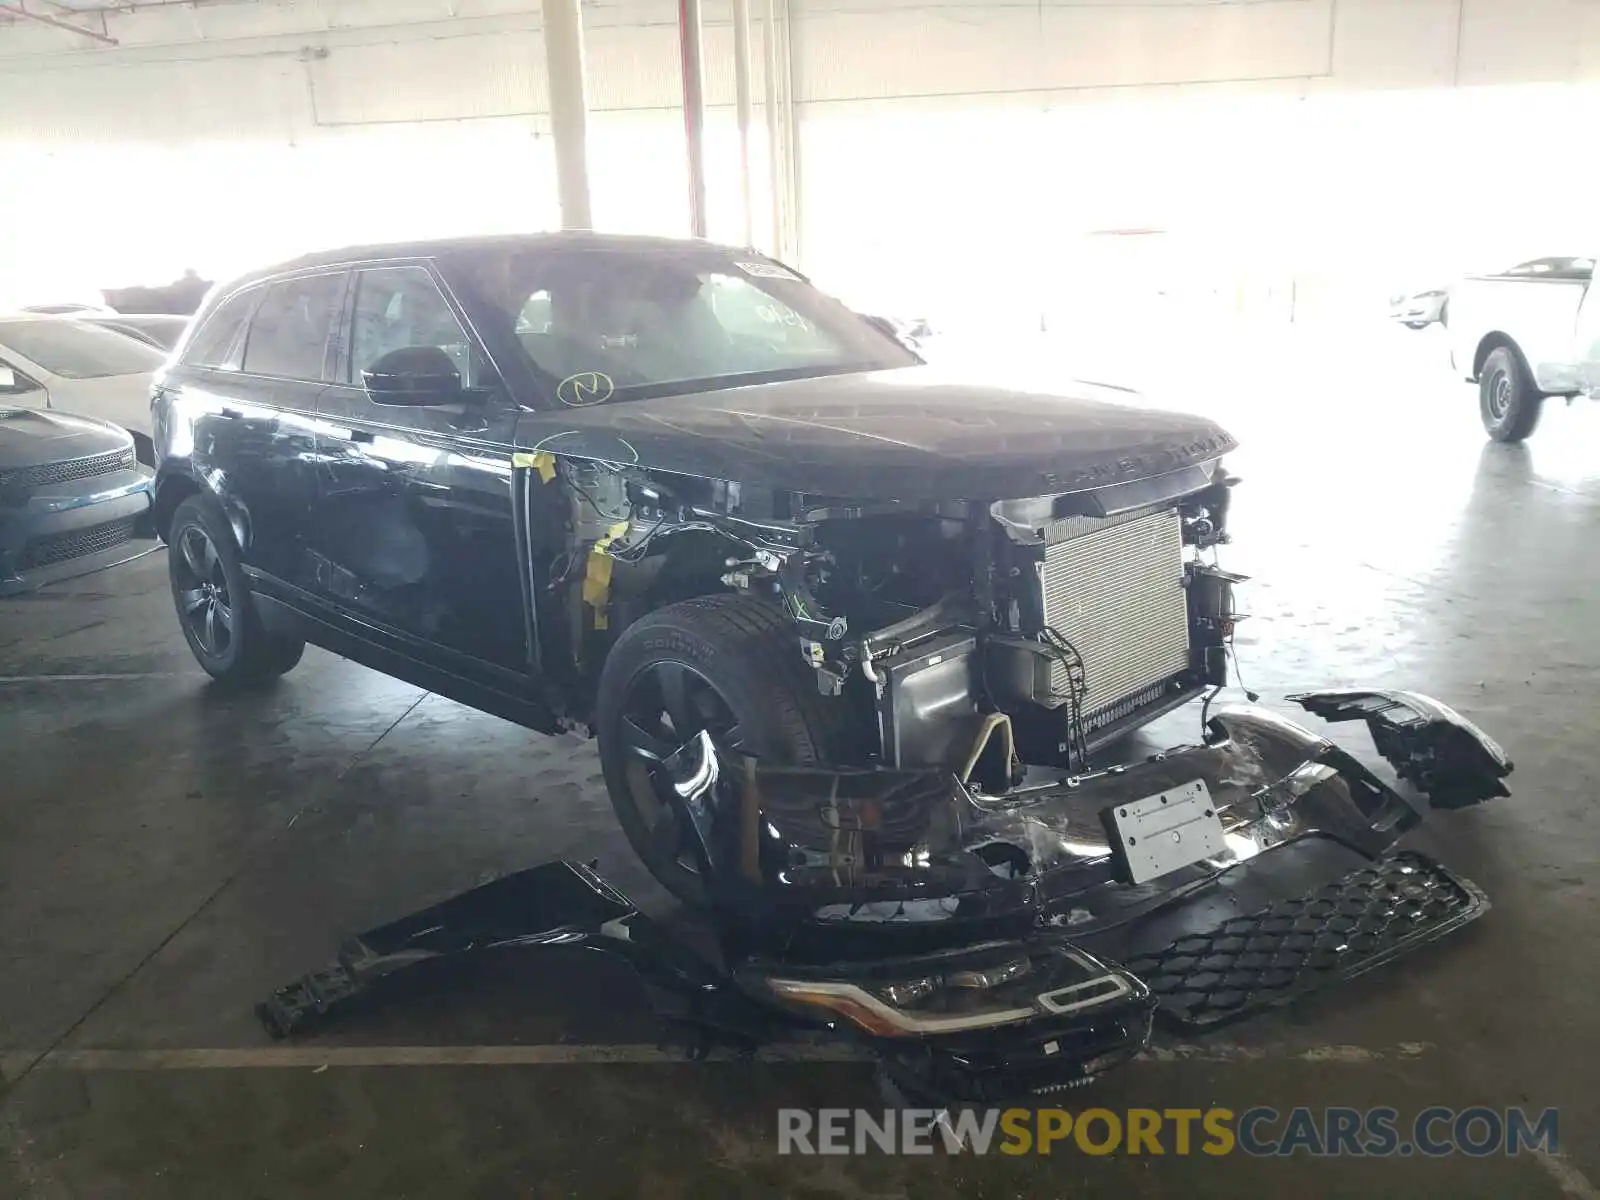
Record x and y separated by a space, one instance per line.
1114 589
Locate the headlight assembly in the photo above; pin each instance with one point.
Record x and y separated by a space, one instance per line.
964 995
873 1012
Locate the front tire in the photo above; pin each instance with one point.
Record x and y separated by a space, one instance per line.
726 664
1509 402
215 607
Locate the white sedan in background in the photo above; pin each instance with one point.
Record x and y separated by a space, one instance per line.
1418 310
58 363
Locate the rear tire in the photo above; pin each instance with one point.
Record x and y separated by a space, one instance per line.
1509 402
724 663
215 607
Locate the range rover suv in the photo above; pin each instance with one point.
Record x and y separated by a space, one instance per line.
850 633
648 487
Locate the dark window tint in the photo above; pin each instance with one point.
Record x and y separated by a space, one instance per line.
401 307
219 341
289 333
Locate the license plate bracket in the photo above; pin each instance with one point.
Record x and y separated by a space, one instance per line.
1166 832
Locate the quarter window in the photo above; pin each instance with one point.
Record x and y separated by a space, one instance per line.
289 333
220 341
398 308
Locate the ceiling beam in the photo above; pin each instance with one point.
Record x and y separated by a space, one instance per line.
17 10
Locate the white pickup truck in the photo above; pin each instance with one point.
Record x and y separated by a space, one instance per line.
1524 335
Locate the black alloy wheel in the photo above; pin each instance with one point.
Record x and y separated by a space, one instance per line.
665 706
215 608
726 665
204 604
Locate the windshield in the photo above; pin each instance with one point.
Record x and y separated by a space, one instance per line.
622 324
1570 268
76 351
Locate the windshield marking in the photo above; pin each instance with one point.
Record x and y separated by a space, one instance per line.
585 388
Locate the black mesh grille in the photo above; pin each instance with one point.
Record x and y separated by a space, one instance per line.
1294 946
25 479
59 547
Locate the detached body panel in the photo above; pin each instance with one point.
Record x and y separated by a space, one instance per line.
982 947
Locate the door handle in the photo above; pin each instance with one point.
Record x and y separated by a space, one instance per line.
360 435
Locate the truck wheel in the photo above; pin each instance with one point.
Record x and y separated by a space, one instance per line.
726 664
215 608
1508 400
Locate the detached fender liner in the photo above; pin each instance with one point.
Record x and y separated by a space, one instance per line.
1430 745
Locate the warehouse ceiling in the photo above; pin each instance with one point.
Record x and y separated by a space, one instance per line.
74 17
88 17
95 7
100 5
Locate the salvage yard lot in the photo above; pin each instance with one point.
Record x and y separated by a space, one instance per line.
169 855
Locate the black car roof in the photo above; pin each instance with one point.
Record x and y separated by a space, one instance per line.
436 247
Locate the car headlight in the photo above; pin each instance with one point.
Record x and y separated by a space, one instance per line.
971 995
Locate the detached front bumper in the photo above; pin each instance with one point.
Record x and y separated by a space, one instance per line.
1008 946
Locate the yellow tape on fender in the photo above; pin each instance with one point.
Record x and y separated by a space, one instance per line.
597 576
540 461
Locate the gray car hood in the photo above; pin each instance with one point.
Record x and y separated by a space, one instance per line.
33 437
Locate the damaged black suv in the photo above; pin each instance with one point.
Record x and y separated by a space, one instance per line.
850 632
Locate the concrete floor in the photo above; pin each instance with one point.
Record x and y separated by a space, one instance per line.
168 855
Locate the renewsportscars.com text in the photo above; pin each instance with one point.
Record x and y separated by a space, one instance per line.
1260 1132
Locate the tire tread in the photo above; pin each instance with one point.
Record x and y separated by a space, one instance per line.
1527 403
766 638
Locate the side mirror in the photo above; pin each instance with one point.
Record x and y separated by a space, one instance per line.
415 377
898 330
882 325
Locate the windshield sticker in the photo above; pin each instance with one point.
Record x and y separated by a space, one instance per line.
765 270
585 388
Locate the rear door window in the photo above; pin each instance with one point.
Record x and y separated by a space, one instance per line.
290 331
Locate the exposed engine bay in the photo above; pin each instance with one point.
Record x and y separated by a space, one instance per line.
1071 618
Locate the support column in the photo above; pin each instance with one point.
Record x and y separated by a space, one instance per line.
742 104
691 45
794 229
774 144
569 109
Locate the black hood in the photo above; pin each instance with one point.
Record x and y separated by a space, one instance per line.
910 434
30 437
